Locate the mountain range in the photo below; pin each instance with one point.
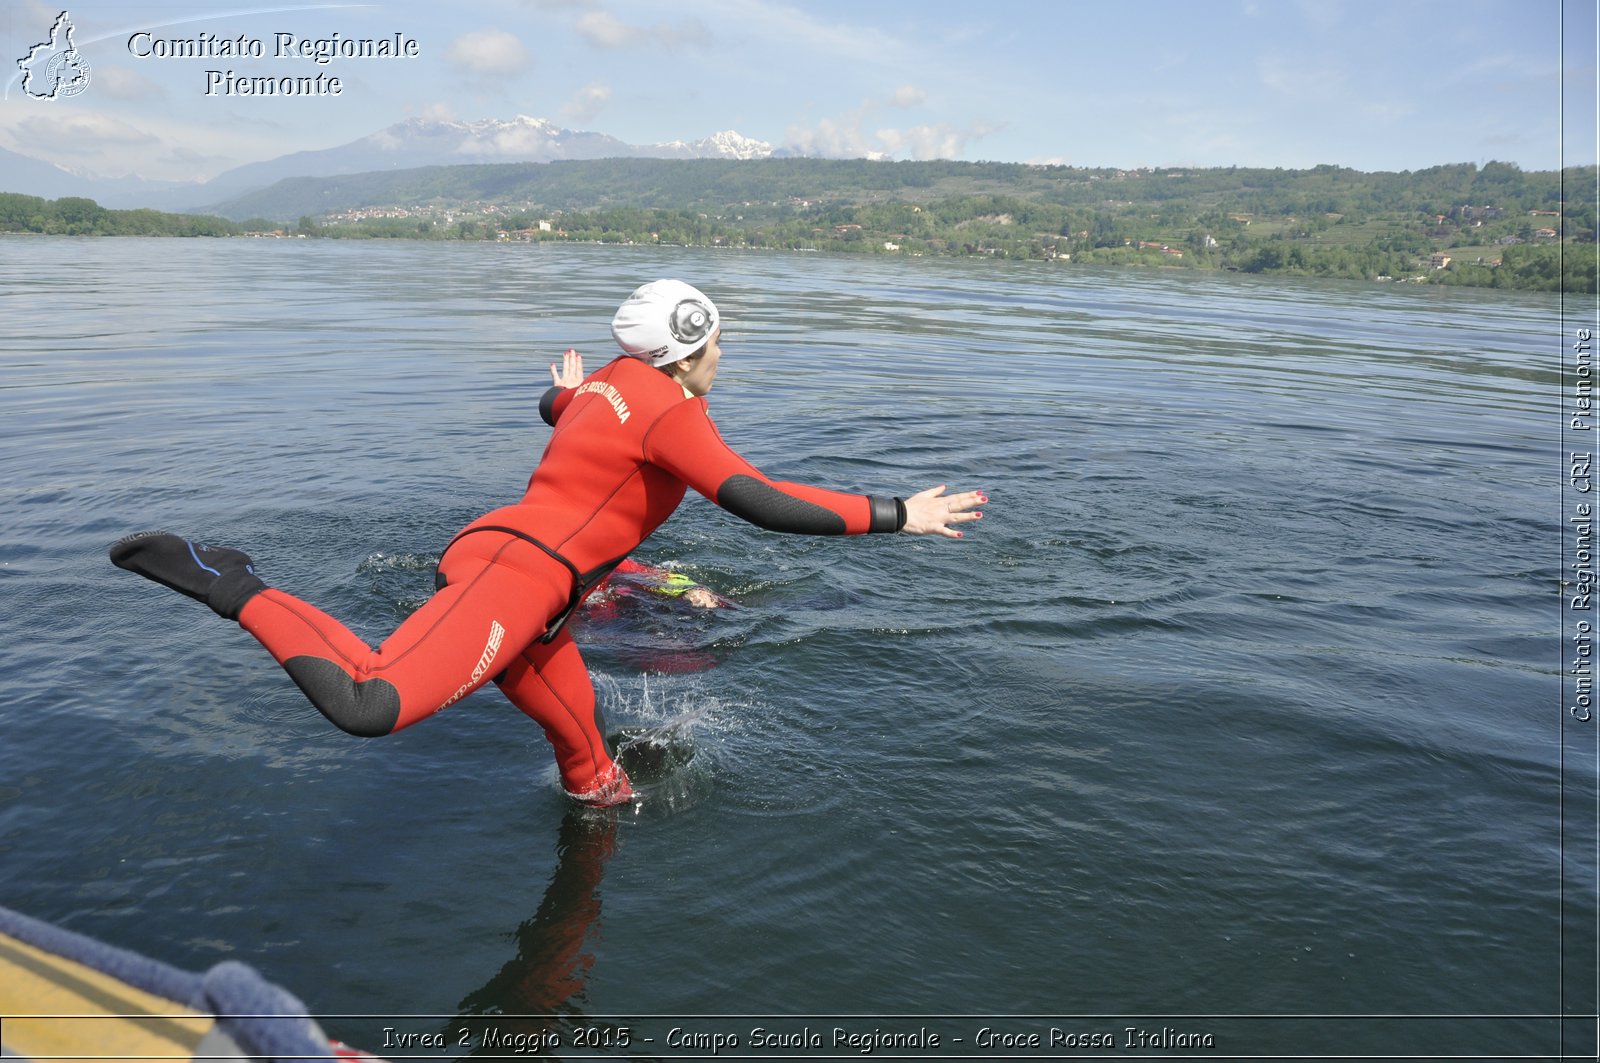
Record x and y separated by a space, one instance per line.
406 145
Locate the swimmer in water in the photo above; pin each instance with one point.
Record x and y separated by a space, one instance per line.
659 581
616 614
627 442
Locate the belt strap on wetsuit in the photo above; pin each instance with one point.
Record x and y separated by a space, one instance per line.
582 582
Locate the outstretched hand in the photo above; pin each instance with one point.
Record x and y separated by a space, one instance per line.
570 375
932 512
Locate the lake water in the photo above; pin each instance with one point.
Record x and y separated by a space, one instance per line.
1239 715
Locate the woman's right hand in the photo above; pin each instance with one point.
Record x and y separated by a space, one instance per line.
570 375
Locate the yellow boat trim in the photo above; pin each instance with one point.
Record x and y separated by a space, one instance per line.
57 1009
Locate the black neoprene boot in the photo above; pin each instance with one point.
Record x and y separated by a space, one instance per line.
222 578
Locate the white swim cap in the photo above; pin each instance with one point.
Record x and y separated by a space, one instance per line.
664 321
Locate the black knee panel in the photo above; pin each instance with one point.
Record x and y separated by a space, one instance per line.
366 709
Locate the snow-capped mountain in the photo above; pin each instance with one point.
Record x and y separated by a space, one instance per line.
724 145
30 176
430 142
435 142
446 142
424 142
403 146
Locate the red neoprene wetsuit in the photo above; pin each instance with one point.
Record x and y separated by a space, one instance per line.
627 443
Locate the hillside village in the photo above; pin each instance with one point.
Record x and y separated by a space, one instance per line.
1494 226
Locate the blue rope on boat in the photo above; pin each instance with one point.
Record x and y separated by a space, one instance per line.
265 1021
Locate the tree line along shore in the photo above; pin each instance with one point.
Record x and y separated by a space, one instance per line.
1491 226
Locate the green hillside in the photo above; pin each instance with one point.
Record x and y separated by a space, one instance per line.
1491 226
1497 225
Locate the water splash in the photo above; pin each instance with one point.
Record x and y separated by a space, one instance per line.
661 729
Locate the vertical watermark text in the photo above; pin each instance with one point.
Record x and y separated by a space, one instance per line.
1579 583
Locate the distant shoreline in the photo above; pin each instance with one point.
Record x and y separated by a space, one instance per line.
1495 226
1134 265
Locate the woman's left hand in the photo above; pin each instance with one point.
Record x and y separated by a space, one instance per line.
932 512
570 375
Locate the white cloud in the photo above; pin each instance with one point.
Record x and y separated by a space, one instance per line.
829 139
1390 111
1323 15
120 83
941 141
845 138
91 143
586 103
1276 74
908 96
604 30
487 53
192 160
31 14
78 135
799 32
157 143
517 141
1301 77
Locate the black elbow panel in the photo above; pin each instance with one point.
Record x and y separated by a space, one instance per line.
767 507
547 404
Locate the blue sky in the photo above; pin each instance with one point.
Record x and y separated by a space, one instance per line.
1371 84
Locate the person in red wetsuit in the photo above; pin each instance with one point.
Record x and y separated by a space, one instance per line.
628 441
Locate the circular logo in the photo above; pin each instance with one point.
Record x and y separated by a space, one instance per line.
67 74
690 322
